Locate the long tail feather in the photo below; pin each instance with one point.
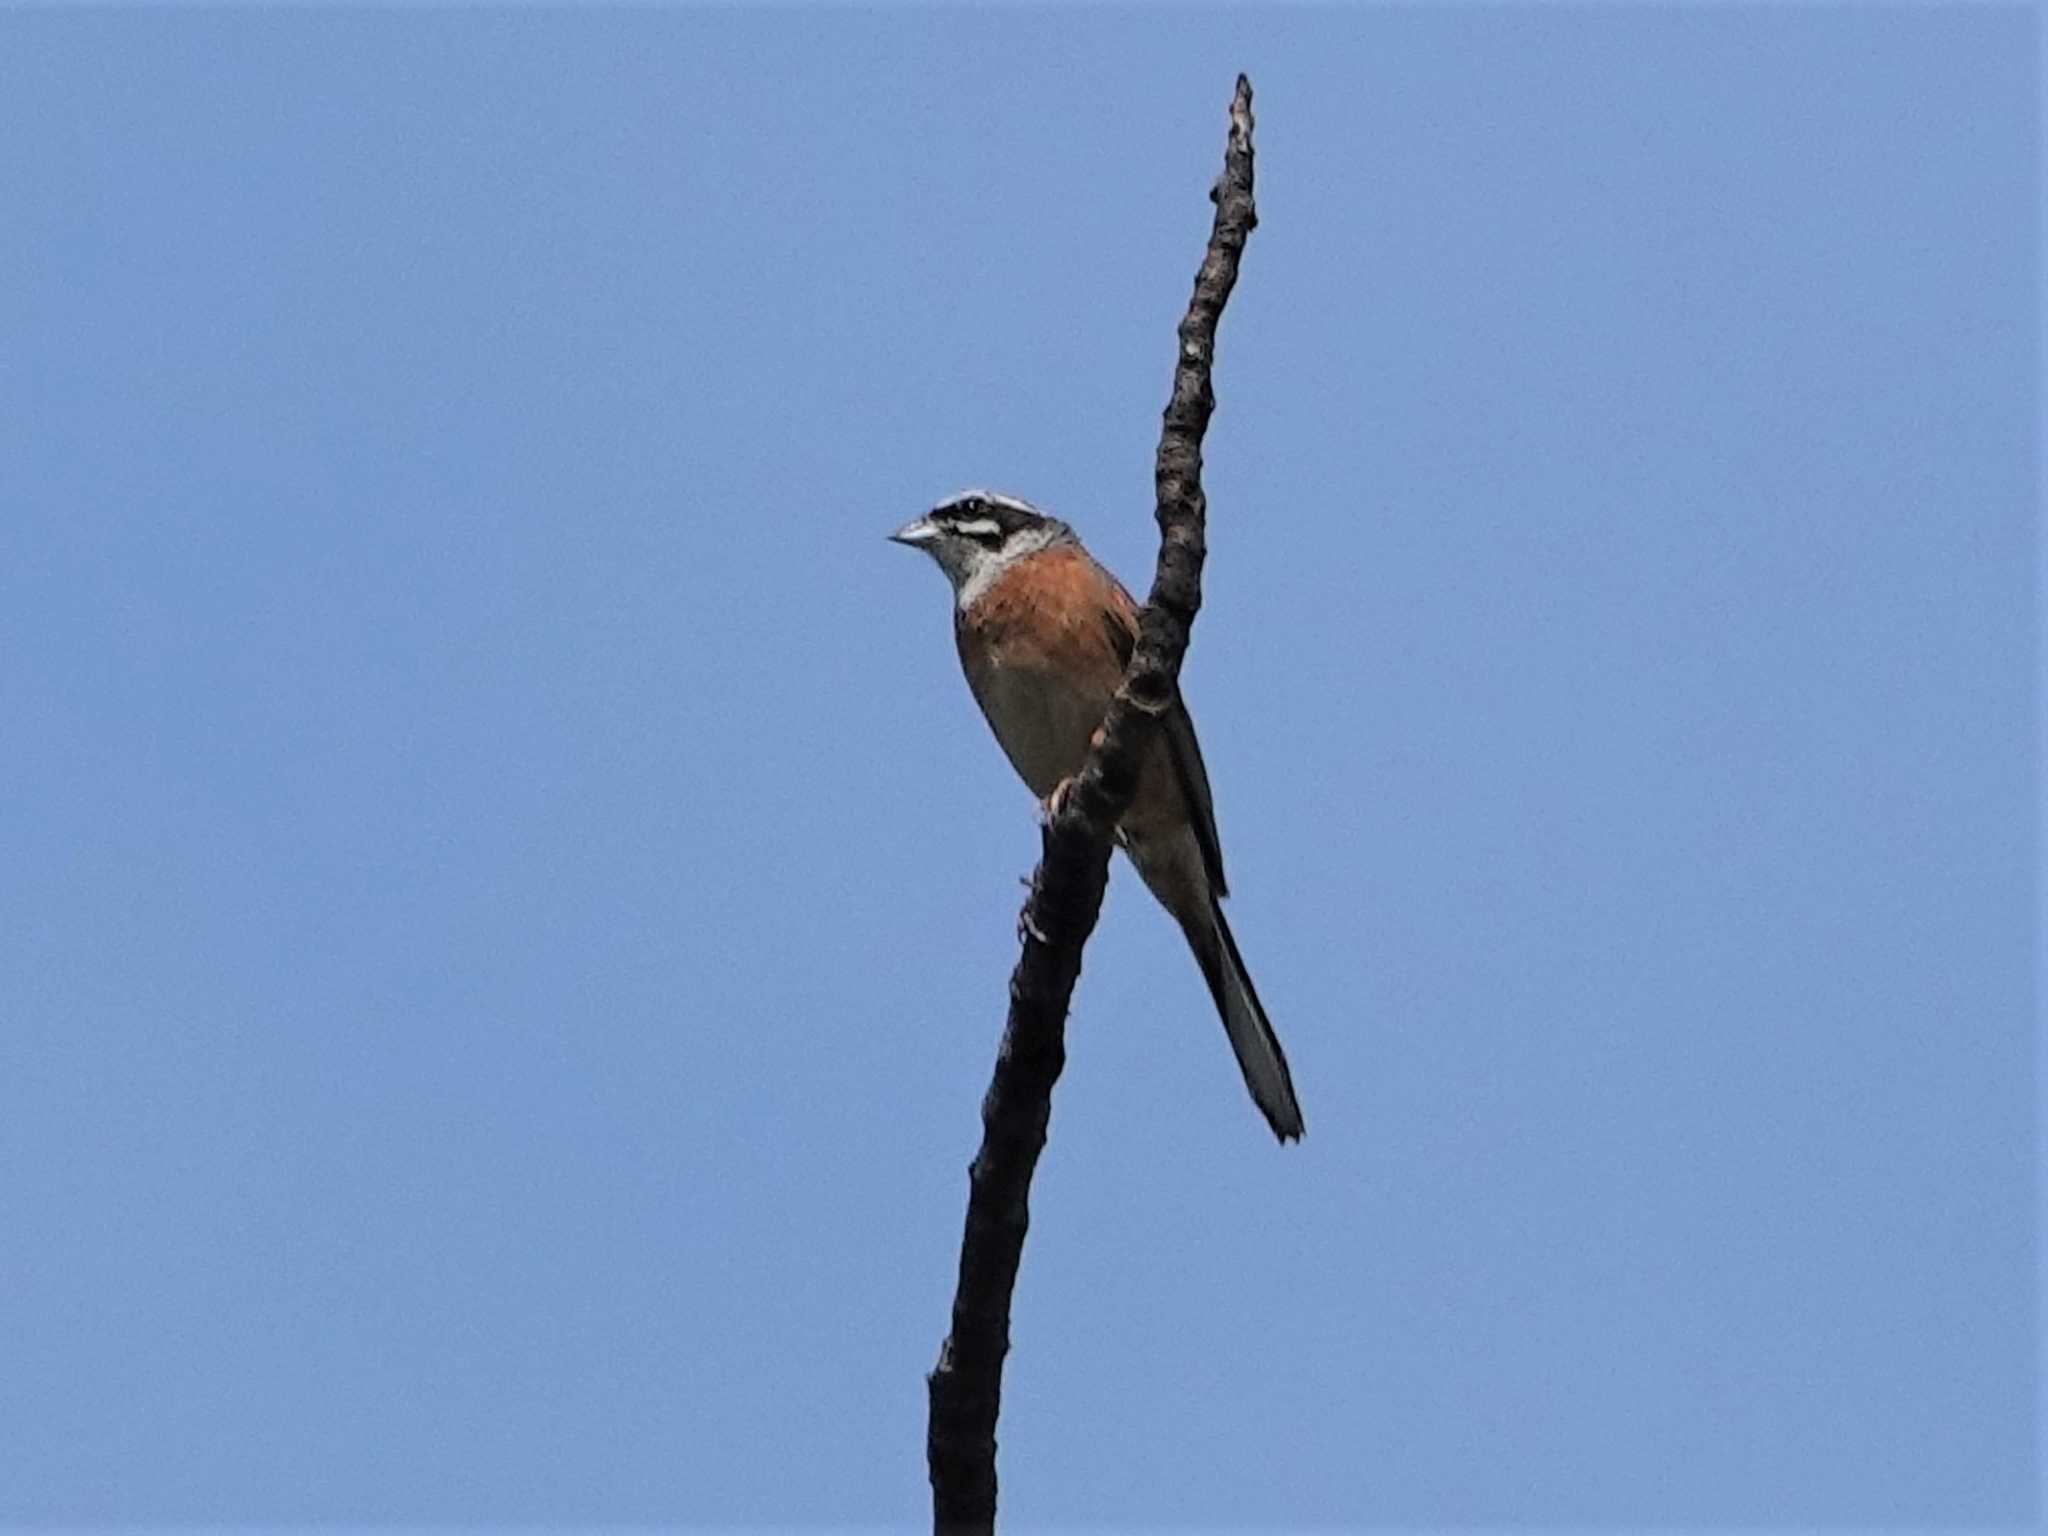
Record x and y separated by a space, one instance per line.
1251 1033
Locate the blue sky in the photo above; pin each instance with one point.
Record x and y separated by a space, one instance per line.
506 897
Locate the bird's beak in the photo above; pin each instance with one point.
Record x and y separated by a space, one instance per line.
916 532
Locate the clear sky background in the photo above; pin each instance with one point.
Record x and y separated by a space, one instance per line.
505 899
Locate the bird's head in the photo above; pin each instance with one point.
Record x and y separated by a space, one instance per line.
977 535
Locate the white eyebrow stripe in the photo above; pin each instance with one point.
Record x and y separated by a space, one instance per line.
994 498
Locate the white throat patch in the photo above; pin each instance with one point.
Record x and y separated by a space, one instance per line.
981 572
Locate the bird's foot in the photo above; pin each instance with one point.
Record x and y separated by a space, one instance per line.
1050 807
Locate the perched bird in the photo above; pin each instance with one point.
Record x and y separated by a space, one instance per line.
1045 634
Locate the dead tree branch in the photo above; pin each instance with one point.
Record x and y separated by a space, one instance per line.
1066 895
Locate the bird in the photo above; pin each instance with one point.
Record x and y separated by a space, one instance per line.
1044 634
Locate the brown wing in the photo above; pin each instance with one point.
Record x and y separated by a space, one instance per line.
1184 751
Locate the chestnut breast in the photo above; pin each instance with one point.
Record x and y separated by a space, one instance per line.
1039 647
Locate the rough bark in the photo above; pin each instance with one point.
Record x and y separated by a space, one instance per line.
1066 895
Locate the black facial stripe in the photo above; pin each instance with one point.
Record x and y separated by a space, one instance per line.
986 520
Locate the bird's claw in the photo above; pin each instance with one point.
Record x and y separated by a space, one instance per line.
1049 809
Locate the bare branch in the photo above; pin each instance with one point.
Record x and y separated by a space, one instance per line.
1066 895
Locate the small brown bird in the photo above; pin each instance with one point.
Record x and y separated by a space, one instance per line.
1045 634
